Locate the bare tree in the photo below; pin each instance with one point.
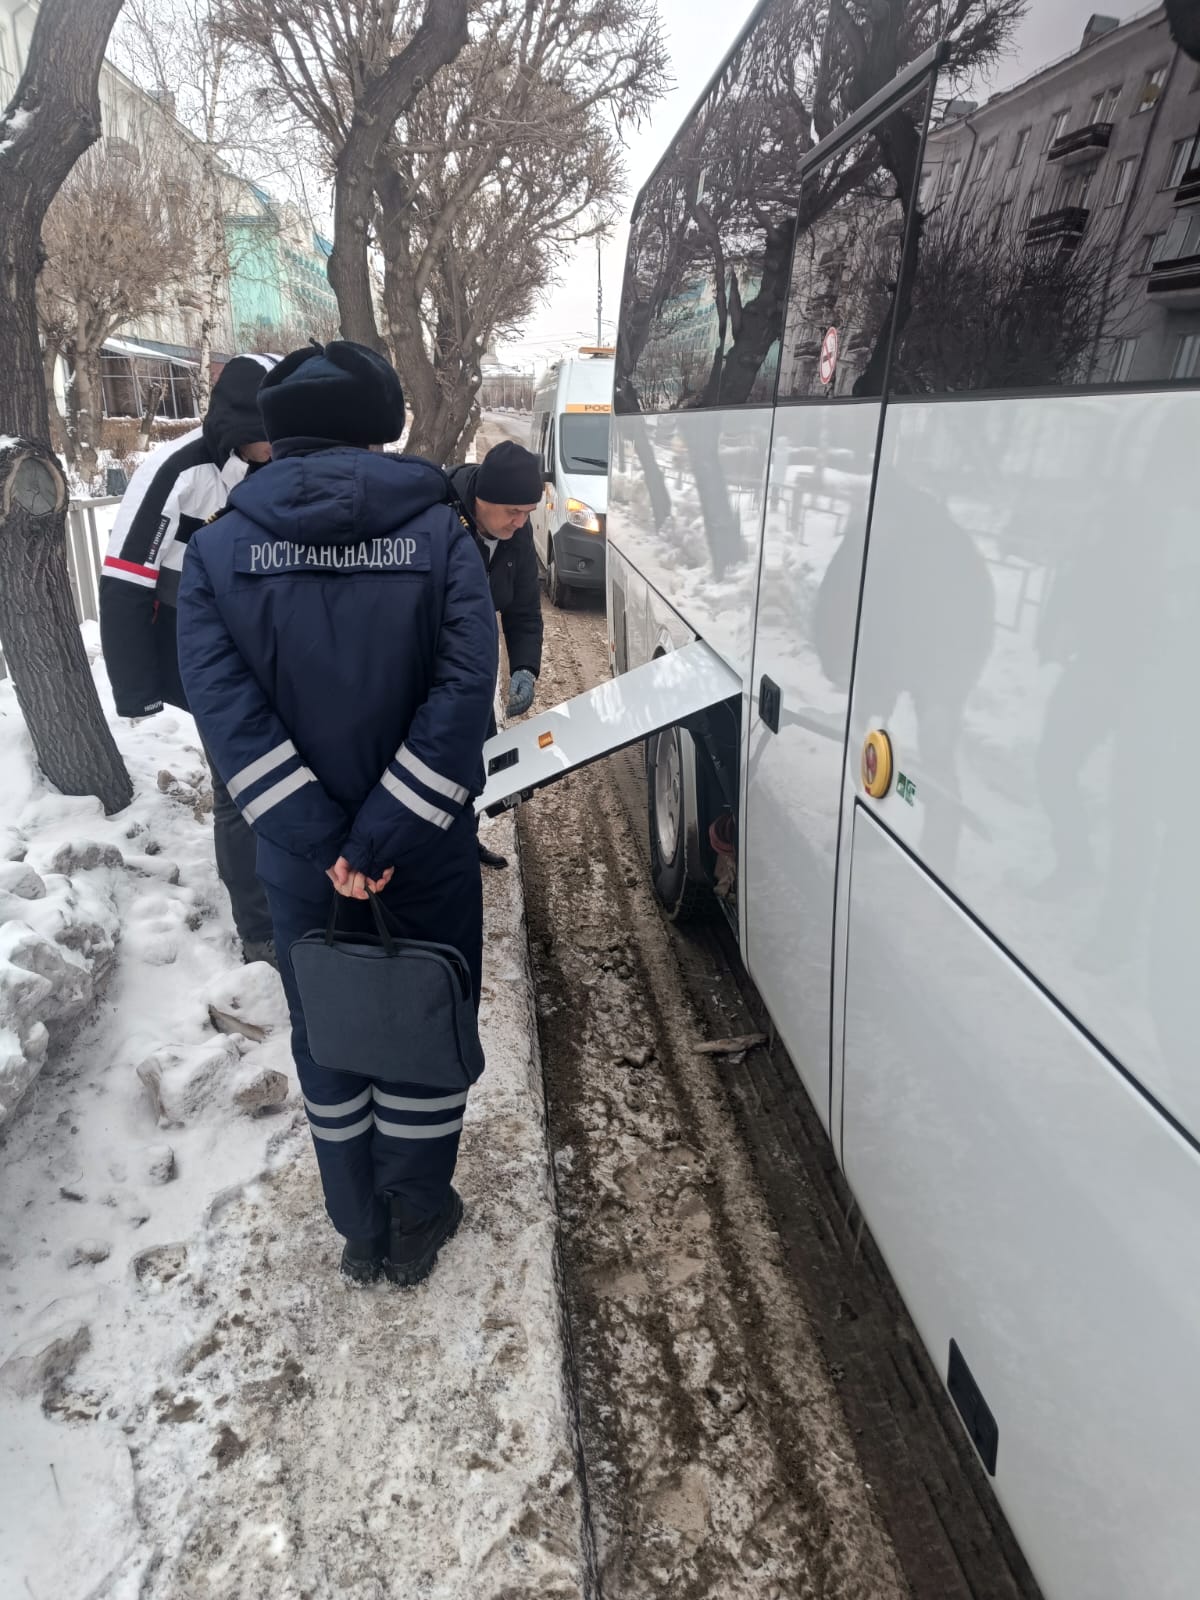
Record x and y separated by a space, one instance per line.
119 237
175 49
281 337
503 163
349 68
483 178
53 118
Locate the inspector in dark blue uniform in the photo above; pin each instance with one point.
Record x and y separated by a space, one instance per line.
337 641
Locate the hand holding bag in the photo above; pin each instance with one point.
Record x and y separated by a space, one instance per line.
400 1010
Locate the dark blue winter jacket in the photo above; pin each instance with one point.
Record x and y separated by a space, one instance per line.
337 642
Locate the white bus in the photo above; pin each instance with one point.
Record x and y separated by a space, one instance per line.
571 408
902 491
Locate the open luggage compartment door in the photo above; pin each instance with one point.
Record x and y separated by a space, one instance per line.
665 691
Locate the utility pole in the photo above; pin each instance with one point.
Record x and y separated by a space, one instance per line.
599 297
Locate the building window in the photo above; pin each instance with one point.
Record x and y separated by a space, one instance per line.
1074 191
1152 249
1010 183
984 165
950 183
1123 182
1151 90
1020 147
1103 106
1182 152
1058 126
1033 204
1187 357
928 185
1122 360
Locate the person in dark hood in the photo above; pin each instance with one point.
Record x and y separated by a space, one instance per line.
497 497
338 646
178 488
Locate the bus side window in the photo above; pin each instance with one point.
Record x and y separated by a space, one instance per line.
846 264
1021 288
550 457
711 237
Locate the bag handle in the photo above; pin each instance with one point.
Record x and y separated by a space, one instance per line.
377 911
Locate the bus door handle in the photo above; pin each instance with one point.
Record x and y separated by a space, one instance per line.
770 697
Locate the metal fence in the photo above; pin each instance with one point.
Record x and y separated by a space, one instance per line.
89 523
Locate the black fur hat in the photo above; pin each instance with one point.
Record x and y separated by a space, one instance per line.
340 391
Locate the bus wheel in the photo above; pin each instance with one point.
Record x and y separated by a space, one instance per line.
558 593
676 868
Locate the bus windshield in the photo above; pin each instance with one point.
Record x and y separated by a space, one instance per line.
584 441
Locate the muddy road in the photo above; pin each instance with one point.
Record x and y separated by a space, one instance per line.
756 1417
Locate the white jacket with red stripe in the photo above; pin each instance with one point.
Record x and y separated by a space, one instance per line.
179 487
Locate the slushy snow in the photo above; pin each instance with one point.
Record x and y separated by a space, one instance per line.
191 1400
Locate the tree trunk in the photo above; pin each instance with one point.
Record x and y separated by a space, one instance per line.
154 398
440 35
59 106
458 454
214 278
87 420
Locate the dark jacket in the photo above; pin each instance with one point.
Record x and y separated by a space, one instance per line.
174 492
338 646
513 574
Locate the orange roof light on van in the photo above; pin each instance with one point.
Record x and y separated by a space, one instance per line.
597 349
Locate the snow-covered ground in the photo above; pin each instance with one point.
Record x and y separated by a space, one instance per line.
192 1403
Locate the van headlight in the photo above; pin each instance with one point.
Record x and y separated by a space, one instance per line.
582 516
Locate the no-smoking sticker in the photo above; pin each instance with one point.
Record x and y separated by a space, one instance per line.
827 365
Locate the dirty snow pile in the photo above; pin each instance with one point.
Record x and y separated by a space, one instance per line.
191 1400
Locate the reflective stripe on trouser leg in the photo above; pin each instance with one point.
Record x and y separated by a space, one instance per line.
338 1104
416 1141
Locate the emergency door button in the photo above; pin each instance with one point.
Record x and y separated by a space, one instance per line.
877 764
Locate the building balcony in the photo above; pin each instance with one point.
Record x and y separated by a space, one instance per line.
1064 226
1175 283
1188 192
1082 144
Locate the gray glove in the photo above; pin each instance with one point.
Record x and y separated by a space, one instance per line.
520 692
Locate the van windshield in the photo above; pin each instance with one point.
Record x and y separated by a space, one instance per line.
584 441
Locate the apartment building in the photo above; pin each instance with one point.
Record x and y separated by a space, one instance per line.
275 279
1096 152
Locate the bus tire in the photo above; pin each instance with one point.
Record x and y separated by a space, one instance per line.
676 867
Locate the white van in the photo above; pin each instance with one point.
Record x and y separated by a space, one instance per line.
571 410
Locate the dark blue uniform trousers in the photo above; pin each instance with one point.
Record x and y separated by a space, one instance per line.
378 1139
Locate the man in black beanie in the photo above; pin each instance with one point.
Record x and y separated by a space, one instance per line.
498 496
337 641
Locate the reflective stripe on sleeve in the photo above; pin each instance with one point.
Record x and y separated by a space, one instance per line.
400 1102
338 1135
414 1130
280 791
259 769
430 778
410 798
130 572
343 1108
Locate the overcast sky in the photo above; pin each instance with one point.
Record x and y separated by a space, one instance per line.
699 33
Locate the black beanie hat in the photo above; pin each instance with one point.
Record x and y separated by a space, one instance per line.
340 391
509 475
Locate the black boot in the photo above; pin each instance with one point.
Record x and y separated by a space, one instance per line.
362 1259
489 858
414 1241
